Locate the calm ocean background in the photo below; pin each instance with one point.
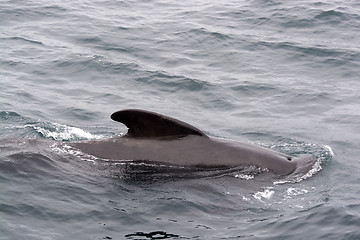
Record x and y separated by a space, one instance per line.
281 74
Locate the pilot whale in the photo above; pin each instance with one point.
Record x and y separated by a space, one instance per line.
157 138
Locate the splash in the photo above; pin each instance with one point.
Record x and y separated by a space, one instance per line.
324 153
70 151
264 195
292 192
244 176
249 172
61 132
329 150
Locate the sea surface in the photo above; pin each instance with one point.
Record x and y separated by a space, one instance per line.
280 74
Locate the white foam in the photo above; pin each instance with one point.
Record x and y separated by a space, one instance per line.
295 191
63 132
266 194
327 151
328 148
315 169
244 176
245 199
66 149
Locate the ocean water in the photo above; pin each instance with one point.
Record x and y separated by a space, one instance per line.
280 74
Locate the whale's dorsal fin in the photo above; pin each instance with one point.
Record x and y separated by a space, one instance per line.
146 124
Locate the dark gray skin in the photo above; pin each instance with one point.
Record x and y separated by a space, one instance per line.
158 138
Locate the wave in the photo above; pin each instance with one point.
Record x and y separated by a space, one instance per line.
25 126
6 115
62 132
22 39
173 83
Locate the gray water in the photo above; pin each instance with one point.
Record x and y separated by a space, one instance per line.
283 75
